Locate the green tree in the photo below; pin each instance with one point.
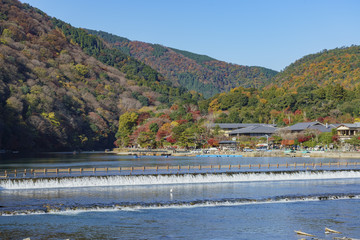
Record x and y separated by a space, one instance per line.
154 127
216 130
337 93
147 140
127 123
234 116
187 138
355 141
325 138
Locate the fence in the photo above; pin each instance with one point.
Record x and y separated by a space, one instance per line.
63 172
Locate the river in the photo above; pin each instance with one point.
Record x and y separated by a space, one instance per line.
210 205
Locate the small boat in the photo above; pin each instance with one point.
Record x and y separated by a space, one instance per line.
328 230
304 234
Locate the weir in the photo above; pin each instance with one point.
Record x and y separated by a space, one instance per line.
138 180
171 169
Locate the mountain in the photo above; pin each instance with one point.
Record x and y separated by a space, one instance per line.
328 67
193 71
63 89
324 86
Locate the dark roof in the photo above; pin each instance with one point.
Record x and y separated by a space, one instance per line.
311 125
238 125
255 129
321 128
303 125
227 142
350 125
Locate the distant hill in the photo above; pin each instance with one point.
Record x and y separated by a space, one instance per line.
193 71
324 86
63 89
328 67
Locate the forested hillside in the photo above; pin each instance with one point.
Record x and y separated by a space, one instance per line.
193 71
187 125
63 89
328 67
329 104
321 87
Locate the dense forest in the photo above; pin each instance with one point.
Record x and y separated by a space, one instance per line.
196 72
63 89
328 67
187 125
329 104
320 87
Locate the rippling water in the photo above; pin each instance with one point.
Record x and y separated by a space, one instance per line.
263 205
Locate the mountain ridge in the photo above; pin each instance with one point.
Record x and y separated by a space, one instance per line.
194 71
63 89
327 67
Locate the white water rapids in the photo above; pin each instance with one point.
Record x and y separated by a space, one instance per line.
171 179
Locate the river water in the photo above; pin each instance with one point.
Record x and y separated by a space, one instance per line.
213 205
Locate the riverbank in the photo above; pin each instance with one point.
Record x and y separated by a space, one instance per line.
272 153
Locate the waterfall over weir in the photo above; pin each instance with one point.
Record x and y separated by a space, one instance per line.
73 182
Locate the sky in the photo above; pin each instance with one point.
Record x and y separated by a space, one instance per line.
266 33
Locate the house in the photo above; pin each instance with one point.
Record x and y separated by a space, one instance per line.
254 131
346 131
299 127
226 128
228 145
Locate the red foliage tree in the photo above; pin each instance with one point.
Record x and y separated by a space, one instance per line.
196 115
181 121
161 134
335 138
174 107
213 142
320 119
286 121
298 112
304 139
165 117
142 117
171 139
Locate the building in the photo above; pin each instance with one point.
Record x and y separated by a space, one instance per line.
346 131
300 127
227 128
228 145
254 131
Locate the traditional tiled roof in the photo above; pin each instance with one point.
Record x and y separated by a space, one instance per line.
303 125
257 129
351 125
227 142
321 128
238 125
311 125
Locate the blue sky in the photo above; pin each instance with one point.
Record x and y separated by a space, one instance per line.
267 33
